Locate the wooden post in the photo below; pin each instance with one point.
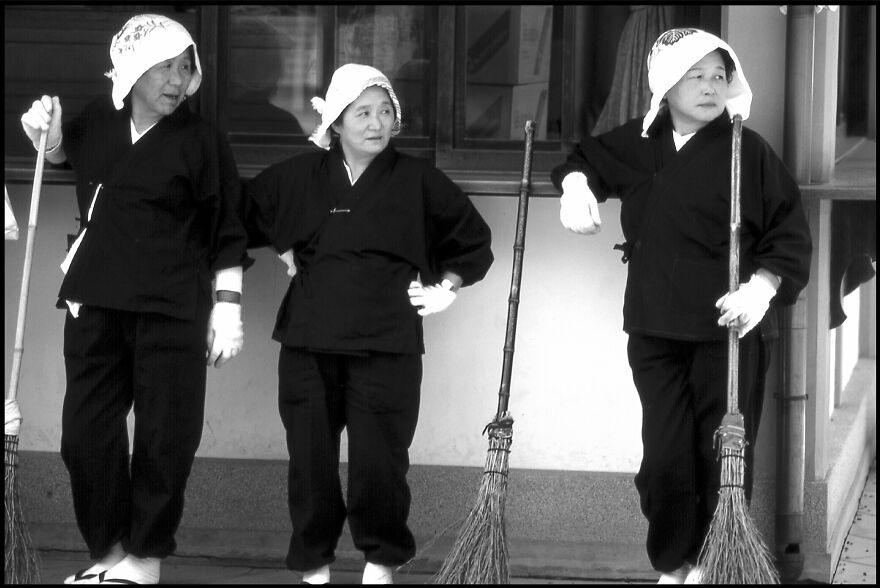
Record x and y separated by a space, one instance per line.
824 131
868 319
792 423
799 91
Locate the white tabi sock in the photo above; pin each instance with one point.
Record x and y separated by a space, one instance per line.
318 575
377 574
140 570
90 575
675 577
695 576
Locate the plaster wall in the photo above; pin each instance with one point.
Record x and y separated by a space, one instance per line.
572 396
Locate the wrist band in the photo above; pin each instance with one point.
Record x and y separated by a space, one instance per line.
228 296
448 284
57 145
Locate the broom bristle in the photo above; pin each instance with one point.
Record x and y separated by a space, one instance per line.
479 555
21 557
734 551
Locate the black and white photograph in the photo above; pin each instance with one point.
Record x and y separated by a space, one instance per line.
440 293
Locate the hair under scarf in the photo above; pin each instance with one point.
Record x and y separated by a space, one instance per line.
347 83
141 43
673 53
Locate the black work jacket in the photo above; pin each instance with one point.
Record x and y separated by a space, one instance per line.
675 216
166 215
357 247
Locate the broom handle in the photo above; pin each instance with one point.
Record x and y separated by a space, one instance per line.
518 248
26 272
733 267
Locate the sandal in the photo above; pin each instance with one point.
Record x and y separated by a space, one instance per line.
103 579
80 577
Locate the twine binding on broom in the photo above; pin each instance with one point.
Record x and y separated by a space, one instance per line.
480 556
733 551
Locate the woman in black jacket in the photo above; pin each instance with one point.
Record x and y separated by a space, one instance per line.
158 192
376 240
671 171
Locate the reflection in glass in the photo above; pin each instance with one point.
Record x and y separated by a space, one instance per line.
64 50
508 70
393 39
275 65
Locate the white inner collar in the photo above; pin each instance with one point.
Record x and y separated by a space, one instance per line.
680 140
348 171
134 134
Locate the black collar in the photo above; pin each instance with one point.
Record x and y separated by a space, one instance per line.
180 115
663 124
382 161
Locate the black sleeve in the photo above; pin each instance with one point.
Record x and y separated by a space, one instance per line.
608 161
459 239
73 132
784 247
260 208
220 189
71 140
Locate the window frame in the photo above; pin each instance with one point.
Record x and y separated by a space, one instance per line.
492 168
453 151
251 150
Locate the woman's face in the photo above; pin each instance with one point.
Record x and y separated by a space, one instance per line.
700 96
162 88
365 125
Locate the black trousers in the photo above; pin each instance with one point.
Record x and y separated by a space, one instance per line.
683 390
116 360
376 398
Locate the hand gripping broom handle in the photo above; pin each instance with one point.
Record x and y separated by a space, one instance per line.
26 272
733 266
518 248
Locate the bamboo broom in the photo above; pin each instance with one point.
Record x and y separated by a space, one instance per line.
21 566
480 556
733 551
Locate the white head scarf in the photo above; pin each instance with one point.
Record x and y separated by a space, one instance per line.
673 53
141 43
347 83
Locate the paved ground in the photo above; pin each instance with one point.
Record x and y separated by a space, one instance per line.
858 562
56 565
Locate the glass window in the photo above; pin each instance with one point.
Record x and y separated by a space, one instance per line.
280 56
275 67
394 40
64 50
509 50
857 74
467 76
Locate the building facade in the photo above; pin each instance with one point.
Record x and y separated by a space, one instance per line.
468 77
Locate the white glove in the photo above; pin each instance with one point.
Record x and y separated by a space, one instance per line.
287 258
45 113
225 333
431 299
578 208
746 307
